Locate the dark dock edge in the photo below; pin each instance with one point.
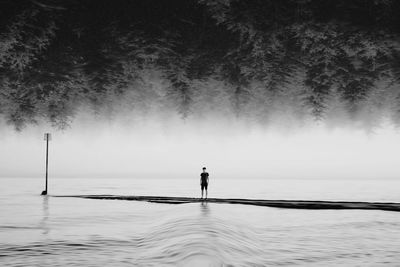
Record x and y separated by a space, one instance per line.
288 204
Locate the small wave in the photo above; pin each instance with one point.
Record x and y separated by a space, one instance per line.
8 227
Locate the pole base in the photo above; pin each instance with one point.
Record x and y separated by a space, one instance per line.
44 193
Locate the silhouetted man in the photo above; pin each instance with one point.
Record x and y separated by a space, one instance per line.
204 181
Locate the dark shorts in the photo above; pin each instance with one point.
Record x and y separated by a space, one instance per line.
204 186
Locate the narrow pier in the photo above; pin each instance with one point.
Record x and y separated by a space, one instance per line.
290 204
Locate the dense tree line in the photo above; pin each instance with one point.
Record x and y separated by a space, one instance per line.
335 60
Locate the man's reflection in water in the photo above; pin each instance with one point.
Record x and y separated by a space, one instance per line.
204 208
45 215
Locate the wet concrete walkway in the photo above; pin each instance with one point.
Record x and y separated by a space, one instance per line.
291 204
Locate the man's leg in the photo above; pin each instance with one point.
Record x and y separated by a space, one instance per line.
202 190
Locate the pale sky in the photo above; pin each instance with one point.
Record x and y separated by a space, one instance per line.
178 149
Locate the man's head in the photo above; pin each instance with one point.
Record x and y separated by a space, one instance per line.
204 169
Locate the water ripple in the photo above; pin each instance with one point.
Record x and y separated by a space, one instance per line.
201 235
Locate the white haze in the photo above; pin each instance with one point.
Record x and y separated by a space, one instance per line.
178 149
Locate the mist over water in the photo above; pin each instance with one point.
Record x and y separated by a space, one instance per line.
176 149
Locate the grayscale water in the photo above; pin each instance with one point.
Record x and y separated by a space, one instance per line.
49 231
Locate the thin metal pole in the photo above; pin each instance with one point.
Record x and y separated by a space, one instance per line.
47 159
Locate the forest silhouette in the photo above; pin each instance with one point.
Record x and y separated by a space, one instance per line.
336 61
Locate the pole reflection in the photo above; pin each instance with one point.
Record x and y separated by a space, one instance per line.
45 215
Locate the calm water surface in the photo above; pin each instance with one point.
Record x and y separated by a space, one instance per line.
49 231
